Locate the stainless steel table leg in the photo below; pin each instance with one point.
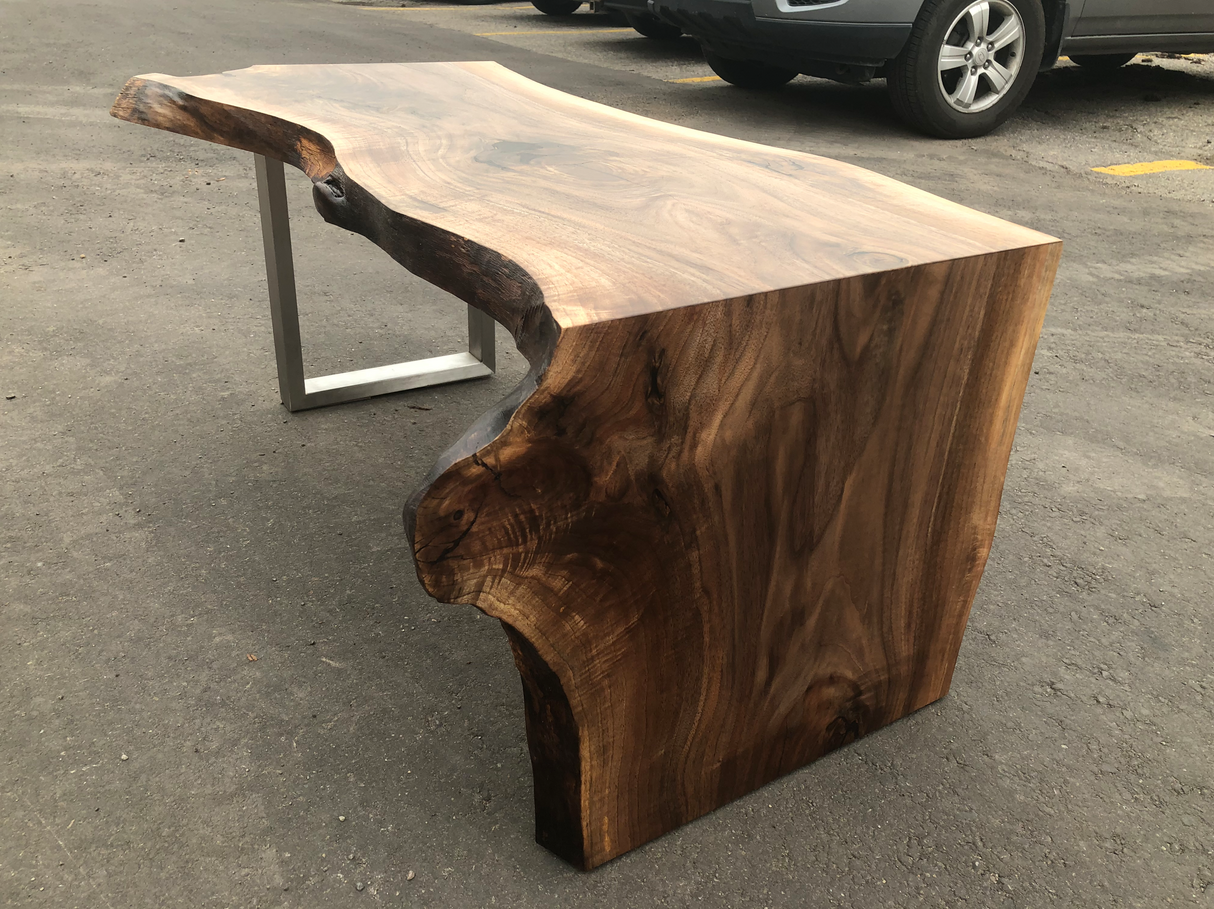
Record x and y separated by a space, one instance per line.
300 393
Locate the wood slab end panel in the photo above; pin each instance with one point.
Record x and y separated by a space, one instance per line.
731 538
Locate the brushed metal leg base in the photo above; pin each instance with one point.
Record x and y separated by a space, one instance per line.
300 393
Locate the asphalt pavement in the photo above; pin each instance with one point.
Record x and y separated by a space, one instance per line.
220 683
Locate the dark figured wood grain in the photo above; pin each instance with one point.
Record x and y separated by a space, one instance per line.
737 512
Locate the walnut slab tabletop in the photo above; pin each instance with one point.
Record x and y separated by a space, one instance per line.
735 515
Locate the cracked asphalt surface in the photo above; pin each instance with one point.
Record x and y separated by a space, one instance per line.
163 519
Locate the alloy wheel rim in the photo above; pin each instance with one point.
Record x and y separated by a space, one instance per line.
982 54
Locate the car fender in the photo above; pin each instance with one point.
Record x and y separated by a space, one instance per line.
1060 18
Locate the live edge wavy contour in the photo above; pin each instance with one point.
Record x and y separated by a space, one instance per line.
735 515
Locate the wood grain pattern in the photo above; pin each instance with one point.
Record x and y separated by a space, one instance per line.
737 512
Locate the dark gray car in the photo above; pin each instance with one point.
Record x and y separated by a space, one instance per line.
955 68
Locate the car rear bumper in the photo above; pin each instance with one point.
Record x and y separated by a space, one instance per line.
731 29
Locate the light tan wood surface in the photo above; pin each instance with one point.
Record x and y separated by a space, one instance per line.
610 214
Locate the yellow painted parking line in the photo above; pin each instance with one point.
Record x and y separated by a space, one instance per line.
554 31
696 79
428 9
1150 167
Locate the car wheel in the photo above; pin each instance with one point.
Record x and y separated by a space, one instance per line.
749 73
967 65
557 7
1102 63
651 26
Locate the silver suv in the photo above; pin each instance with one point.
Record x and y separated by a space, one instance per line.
955 68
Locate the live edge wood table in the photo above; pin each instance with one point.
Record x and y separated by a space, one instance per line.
735 515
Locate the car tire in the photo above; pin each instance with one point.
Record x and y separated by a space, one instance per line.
1102 63
557 7
749 73
937 88
651 26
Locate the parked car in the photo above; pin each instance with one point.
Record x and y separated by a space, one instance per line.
633 12
557 7
954 68
636 13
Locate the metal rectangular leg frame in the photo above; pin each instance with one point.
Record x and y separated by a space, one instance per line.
299 393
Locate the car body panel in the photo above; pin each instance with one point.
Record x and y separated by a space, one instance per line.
626 6
1144 17
1199 43
849 40
858 12
731 29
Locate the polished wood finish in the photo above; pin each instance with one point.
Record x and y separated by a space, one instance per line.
737 512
